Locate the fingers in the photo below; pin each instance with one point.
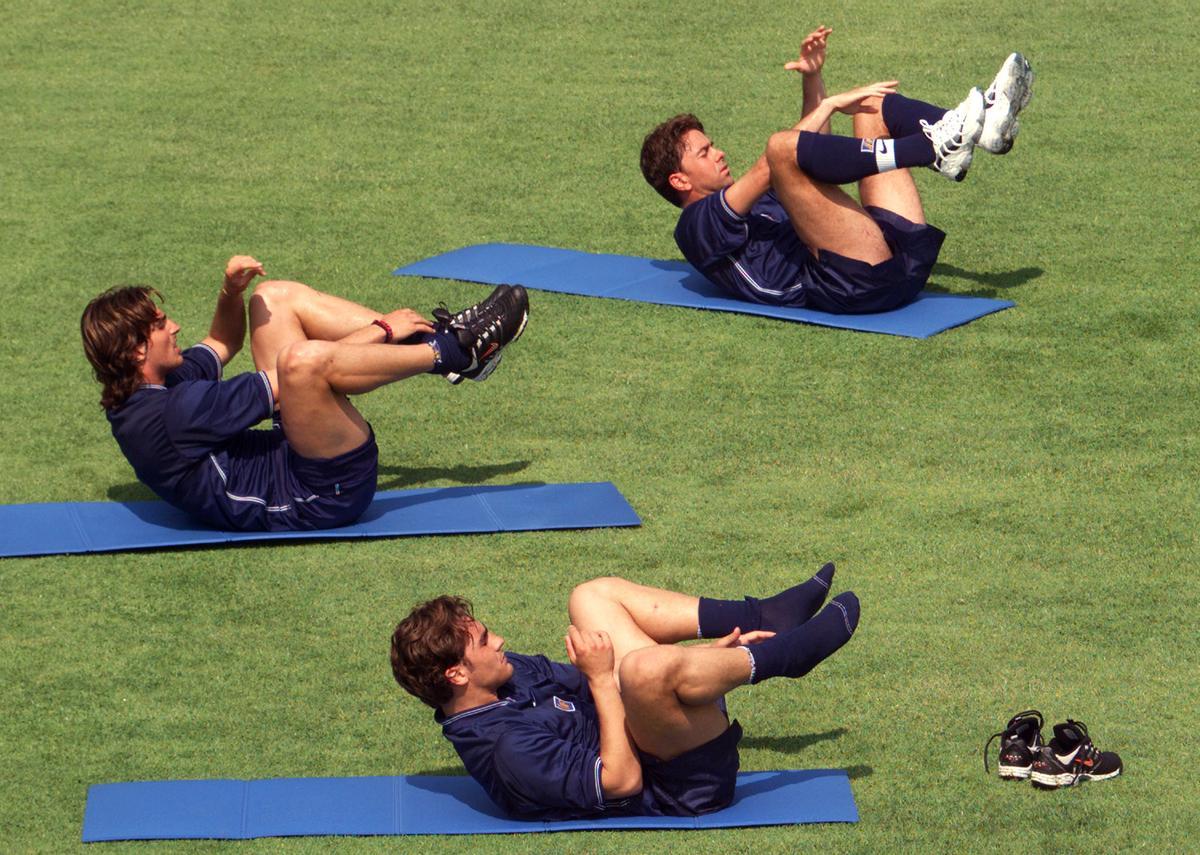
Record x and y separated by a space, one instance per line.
756 636
244 264
589 640
729 640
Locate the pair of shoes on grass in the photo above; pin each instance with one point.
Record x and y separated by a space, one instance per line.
986 119
1068 759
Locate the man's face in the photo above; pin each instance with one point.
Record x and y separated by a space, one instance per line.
484 659
162 353
703 164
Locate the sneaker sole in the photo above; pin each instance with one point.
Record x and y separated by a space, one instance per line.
1066 779
1015 773
1016 97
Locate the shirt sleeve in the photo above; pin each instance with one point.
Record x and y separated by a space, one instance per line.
709 230
540 770
200 362
202 414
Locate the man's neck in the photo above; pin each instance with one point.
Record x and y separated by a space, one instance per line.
469 699
152 378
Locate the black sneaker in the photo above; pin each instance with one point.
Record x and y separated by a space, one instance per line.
485 329
1020 743
1071 758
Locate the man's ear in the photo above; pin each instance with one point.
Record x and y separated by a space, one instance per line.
679 182
456 675
139 352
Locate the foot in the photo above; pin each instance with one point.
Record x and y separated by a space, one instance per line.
790 608
485 329
1008 95
1071 758
796 652
1020 742
954 136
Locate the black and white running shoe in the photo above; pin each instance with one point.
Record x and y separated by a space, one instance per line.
954 136
1008 95
1020 743
1071 758
485 329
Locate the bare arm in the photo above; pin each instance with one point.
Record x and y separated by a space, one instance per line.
228 328
743 193
809 65
620 769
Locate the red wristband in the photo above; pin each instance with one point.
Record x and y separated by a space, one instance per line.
387 330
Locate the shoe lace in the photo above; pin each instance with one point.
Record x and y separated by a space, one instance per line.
1034 714
946 131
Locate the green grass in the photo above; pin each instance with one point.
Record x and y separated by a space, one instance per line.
1014 501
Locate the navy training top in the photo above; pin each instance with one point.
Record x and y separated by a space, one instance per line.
757 257
536 750
189 441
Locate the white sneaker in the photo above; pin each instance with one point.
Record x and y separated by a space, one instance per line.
1008 95
954 136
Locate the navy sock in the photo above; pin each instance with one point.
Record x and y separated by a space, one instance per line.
448 353
844 160
796 652
903 115
783 611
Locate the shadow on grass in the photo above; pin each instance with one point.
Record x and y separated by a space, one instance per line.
443 770
134 491
394 477
992 283
791 744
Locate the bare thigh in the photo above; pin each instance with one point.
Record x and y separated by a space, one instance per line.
633 615
282 313
318 422
657 721
823 215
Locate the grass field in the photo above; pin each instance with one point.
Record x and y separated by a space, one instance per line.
1014 501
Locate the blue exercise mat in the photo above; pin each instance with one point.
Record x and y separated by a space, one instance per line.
676 283
419 804
70 527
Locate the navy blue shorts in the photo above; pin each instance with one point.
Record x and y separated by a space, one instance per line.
340 488
851 287
699 781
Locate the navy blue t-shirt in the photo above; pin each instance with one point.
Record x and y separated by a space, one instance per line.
757 257
190 442
536 750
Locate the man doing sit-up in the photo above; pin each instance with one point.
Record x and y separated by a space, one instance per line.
187 432
636 724
785 234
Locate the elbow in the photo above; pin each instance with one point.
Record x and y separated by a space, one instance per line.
623 785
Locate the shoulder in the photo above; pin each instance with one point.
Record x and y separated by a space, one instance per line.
200 362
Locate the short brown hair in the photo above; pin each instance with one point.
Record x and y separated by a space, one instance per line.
114 326
431 639
662 153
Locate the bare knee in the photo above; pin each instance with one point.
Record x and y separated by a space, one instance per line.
279 292
781 150
650 671
304 361
586 594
